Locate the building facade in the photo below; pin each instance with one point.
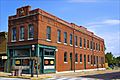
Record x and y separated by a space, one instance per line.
3 50
53 44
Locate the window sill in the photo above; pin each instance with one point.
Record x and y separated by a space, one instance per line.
58 42
71 45
80 62
76 46
21 40
13 41
48 40
65 43
84 48
65 62
80 47
88 62
30 38
76 62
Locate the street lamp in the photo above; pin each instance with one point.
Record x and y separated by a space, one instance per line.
32 63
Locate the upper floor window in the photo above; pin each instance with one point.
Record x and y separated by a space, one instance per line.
76 40
80 42
96 46
71 39
99 46
30 31
65 57
65 37
21 33
80 57
91 44
87 43
58 35
76 57
13 34
84 43
49 33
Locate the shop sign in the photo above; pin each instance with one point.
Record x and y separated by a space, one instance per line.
17 62
4 57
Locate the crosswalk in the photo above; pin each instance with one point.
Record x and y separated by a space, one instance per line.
67 78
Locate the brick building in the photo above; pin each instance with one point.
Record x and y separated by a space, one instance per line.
53 44
3 50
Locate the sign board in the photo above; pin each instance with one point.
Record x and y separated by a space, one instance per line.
4 57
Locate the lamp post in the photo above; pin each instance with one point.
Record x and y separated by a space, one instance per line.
32 62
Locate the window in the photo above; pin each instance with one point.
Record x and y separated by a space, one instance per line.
71 39
49 33
91 60
80 42
99 46
90 44
80 57
30 31
76 40
88 58
65 57
59 36
84 43
21 33
96 46
94 60
87 43
65 37
93 45
76 57
13 34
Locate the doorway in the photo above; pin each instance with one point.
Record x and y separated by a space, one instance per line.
70 61
84 61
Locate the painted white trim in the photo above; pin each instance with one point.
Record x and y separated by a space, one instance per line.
48 40
65 62
21 39
65 43
49 58
83 70
76 62
30 38
58 42
71 45
13 40
80 62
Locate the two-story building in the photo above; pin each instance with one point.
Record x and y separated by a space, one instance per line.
3 50
54 44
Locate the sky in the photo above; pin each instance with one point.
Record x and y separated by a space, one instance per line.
99 16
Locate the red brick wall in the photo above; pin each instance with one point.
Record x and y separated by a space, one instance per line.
44 19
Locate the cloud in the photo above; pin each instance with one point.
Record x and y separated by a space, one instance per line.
105 22
81 1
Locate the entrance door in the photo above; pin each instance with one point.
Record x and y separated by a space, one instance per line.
49 61
84 61
71 61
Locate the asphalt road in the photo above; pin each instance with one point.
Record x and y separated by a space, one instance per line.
106 76
3 78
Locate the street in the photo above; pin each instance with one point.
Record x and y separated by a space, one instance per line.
3 78
106 76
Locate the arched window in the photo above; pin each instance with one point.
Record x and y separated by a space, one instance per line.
65 57
76 57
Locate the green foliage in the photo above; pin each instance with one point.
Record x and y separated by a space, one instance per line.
110 59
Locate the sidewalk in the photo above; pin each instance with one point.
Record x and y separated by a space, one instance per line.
72 74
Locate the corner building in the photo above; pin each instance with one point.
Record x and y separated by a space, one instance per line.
53 44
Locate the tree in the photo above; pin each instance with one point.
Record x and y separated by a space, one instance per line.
109 58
